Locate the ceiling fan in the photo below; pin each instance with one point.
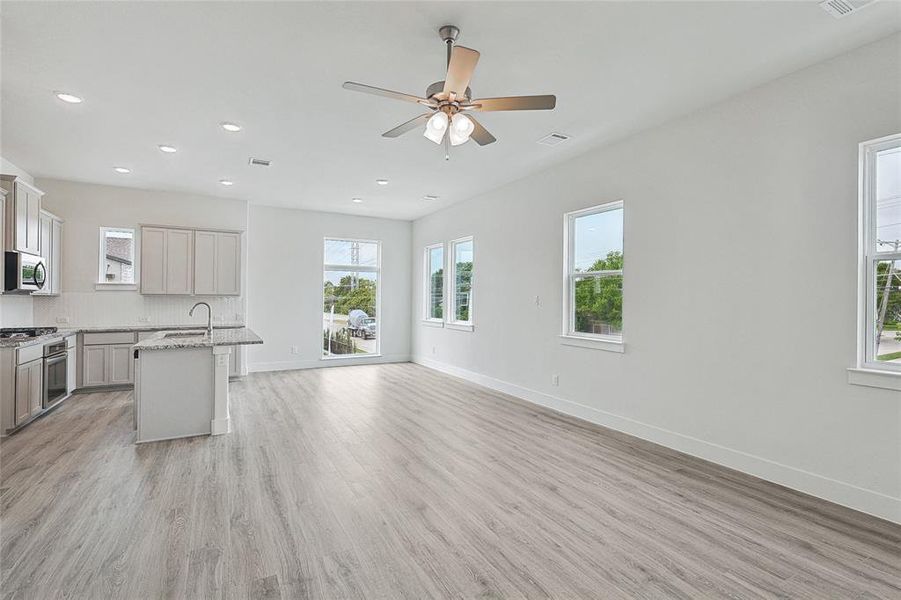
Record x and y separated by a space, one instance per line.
450 101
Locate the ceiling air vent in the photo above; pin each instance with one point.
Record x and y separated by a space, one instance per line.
259 162
552 139
843 8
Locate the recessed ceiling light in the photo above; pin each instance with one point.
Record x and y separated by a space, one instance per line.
70 98
122 170
357 200
233 127
167 149
430 197
226 182
382 181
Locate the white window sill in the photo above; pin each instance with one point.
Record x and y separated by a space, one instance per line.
432 323
349 356
459 326
122 287
610 345
887 380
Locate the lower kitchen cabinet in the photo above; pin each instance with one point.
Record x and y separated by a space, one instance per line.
29 377
121 365
108 364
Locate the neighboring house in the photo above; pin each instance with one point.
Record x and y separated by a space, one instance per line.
119 265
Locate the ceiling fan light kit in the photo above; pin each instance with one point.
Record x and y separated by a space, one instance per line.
447 100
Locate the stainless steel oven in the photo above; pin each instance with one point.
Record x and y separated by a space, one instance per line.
23 273
55 372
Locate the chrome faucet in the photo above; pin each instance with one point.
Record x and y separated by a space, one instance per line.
209 314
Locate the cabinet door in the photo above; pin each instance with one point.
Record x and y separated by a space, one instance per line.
71 366
20 226
23 393
55 269
36 389
153 260
94 366
46 229
228 264
205 262
179 261
121 365
31 206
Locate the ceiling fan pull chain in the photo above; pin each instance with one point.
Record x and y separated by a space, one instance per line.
446 147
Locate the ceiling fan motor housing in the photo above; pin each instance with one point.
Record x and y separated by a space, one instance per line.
438 87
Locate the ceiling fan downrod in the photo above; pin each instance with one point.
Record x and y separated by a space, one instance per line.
449 34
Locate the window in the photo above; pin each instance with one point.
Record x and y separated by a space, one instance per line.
117 256
434 283
880 295
460 302
594 273
350 296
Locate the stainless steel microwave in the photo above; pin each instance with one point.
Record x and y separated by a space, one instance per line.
23 273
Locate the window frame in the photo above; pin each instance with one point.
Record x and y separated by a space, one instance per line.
99 283
427 317
868 258
377 269
450 291
569 335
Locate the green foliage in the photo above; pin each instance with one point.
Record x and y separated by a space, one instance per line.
893 310
599 300
347 296
437 294
341 342
463 287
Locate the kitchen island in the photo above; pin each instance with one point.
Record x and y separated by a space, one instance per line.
181 382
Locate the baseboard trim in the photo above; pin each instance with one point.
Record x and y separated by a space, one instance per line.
832 490
293 365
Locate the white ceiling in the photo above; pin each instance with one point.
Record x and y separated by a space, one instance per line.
168 73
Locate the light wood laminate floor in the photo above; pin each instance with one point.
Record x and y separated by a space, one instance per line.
395 481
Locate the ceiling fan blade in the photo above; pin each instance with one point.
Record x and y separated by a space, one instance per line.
516 103
368 89
408 126
459 71
481 135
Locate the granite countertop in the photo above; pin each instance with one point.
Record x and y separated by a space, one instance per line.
41 339
17 343
221 337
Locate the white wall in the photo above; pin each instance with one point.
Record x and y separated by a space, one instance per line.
285 281
85 208
740 285
15 311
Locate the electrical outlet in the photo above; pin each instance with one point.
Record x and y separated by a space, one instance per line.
555 379
295 350
62 320
434 350
538 301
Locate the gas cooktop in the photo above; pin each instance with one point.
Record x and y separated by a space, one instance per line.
25 332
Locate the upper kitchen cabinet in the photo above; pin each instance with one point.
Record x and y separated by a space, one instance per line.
23 215
51 238
167 260
217 263
190 262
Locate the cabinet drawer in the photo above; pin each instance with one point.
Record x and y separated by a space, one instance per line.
119 337
29 353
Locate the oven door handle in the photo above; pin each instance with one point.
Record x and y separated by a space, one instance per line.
52 360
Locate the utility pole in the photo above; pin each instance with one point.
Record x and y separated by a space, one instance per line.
886 291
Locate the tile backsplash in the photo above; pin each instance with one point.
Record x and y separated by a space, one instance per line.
90 309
